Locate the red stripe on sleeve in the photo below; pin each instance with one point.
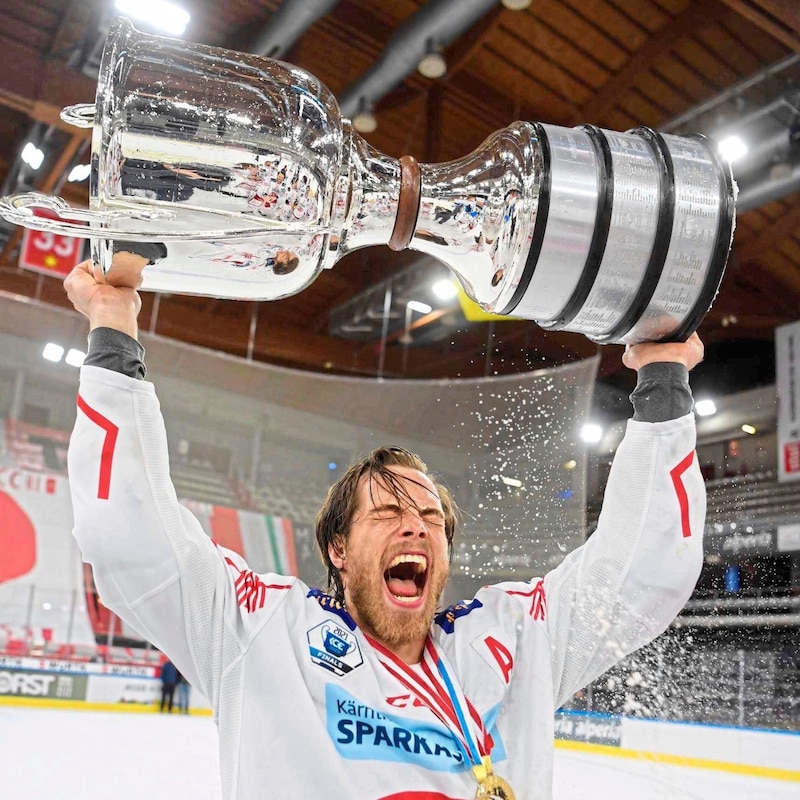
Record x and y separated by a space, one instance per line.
676 473
109 443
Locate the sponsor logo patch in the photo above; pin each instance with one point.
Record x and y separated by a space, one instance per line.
360 732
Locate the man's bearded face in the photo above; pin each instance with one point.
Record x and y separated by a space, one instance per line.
396 558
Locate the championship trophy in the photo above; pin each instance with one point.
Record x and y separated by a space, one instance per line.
230 175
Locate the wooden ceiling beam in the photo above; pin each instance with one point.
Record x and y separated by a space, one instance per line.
433 125
659 44
784 225
462 50
41 87
483 98
779 19
56 175
752 278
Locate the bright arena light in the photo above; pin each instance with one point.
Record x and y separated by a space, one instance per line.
445 289
53 352
416 305
732 148
591 433
75 357
749 429
32 155
166 16
80 172
705 408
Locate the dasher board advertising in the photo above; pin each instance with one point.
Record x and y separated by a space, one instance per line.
787 380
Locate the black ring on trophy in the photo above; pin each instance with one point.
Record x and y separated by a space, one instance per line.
539 226
721 246
660 249
602 225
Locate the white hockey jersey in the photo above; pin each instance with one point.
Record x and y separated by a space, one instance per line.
303 706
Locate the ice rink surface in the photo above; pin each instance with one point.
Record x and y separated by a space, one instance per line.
54 754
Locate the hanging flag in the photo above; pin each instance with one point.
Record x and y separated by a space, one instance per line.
265 542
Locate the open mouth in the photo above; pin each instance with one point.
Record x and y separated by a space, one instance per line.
405 578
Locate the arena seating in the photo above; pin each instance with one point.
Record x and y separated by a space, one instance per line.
35 448
757 496
204 485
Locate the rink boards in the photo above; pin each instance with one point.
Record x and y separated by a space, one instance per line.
743 751
758 752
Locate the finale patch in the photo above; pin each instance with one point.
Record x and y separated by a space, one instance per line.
334 648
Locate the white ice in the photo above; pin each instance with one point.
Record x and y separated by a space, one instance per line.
54 754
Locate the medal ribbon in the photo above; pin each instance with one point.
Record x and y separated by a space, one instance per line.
442 695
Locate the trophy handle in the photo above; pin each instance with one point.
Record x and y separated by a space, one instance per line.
80 115
63 219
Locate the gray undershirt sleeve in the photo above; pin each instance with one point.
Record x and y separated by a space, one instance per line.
662 392
114 350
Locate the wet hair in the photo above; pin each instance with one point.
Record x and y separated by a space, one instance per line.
336 515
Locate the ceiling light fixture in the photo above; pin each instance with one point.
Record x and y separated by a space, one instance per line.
364 120
516 5
748 429
432 64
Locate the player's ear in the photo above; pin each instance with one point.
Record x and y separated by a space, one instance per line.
336 551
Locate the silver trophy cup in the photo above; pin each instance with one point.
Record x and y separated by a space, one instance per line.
230 175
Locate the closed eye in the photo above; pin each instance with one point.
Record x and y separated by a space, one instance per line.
386 512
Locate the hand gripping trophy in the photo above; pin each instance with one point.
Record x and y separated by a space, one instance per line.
225 174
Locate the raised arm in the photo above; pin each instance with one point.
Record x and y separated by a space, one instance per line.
632 577
153 564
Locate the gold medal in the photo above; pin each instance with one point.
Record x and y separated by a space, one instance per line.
491 786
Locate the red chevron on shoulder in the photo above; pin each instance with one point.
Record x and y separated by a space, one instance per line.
251 591
538 600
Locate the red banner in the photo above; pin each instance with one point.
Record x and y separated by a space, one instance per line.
51 253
